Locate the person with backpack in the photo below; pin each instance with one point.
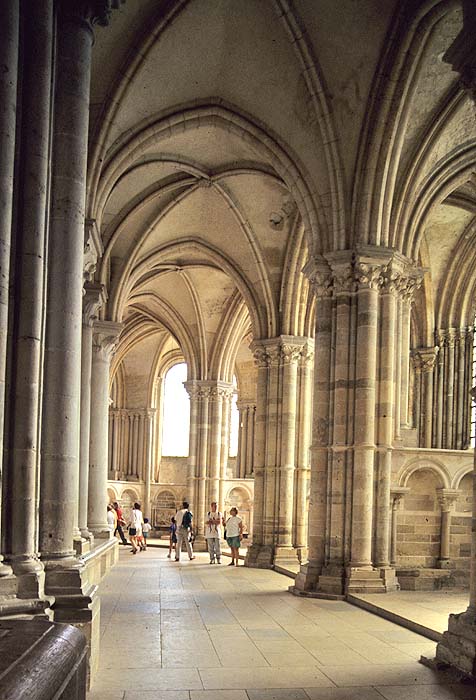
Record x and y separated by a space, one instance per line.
184 520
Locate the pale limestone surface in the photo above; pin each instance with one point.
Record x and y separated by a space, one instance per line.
223 633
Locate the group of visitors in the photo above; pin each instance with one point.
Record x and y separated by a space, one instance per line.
181 531
138 526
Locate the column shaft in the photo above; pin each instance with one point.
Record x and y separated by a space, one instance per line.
364 437
288 456
105 336
29 289
385 423
60 446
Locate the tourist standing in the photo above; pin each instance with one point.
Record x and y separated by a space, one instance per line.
213 533
120 523
234 535
111 519
135 527
172 537
183 518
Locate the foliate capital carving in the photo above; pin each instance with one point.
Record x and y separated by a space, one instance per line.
93 249
425 358
447 498
105 338
276 352
397 493
319 275
214 390
368 275
94 297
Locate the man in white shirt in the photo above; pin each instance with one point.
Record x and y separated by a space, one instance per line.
183 519
213 533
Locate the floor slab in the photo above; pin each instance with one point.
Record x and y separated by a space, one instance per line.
191 631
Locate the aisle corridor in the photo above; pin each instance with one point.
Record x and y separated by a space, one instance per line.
192 631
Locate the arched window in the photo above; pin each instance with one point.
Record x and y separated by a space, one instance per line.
175 413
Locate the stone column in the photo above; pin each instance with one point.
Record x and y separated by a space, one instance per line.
62 377
368 270
446 499
427 358
29 285
291 354
458 646
216 417
193 393
396 495
9 48
405 361
94 298
149 452
227 396
302 471
385 412
319 275
440 340
105 339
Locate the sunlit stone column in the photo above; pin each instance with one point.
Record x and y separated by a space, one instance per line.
446 500
290 357
28 290
302 473
150 417
319 275
105 338
9 53
427 365
396 495
214 464
458 646
450 387
368 271
193 393
440 338
385 412
94 298
227 395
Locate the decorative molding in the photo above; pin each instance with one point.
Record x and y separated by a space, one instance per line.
105 338
319 275
89 11
447 498
93 249
94 298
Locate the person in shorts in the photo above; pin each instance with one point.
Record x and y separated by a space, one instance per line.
172 536
234 535
146 529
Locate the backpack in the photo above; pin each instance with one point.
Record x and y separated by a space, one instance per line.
187 519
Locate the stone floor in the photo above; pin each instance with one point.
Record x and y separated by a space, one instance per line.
192 631
427 608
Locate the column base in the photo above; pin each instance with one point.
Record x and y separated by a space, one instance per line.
285 556
200 544
306 580
457 649
75 602
260 556
365 580
100 532
81 545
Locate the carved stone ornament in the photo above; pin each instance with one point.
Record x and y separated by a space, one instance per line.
105 338
319 275
94 297
447 498
461 55
426 358
93 249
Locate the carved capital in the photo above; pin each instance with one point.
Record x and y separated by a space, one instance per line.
105 338
447 498
93 249
276 352
94 297
319 275
397 493
425 358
